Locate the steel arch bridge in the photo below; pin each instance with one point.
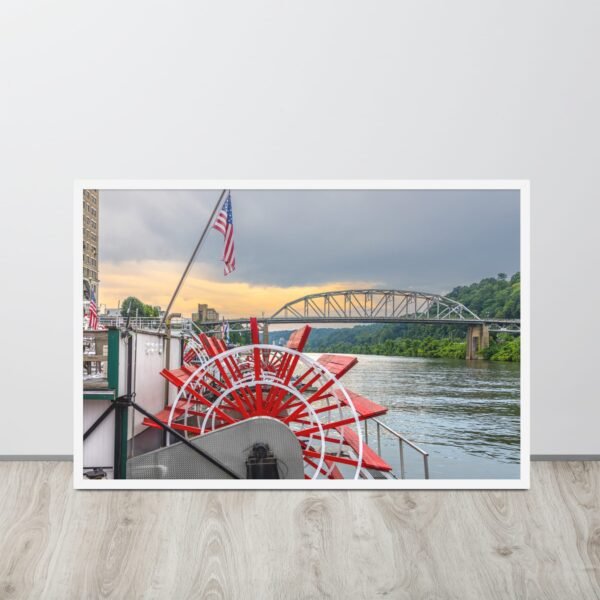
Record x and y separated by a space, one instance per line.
380 306
374 305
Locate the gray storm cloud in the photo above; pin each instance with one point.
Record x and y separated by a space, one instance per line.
429 240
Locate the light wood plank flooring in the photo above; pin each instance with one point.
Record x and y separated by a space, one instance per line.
56 543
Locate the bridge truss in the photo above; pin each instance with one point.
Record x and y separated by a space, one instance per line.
380 306
375 305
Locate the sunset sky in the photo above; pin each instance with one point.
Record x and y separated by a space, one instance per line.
293 243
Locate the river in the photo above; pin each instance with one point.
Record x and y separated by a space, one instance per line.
464 413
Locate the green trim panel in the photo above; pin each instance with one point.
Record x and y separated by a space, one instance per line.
113 359
121 421
100 395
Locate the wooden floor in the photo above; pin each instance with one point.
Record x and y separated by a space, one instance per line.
56 543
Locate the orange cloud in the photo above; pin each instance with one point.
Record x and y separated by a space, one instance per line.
153 282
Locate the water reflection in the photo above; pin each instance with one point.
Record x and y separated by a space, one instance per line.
466 414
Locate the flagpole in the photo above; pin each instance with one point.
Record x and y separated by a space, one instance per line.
189 265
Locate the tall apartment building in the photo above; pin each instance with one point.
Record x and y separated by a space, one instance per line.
91 202
205 313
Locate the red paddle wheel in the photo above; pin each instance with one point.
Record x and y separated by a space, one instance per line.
262 380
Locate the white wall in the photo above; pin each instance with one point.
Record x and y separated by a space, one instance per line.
387 89
149 385
99 448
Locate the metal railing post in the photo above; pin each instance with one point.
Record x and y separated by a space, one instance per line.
401 459
401 441
366 433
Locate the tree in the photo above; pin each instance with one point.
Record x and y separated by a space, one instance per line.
492 297
135 307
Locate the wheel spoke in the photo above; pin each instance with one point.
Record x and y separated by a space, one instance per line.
333 458
332 425
260 379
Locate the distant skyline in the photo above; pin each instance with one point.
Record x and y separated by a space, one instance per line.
293 243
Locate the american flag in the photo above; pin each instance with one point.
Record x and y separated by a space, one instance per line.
224 224
93 312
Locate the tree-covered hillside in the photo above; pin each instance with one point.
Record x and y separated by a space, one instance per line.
498 297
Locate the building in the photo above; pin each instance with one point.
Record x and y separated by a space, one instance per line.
91 202
205 314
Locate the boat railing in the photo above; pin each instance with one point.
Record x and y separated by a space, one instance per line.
145 323
401 442
95 359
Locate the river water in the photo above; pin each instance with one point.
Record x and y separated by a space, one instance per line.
464 413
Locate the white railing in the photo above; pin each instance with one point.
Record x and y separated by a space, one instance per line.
401 441
147 323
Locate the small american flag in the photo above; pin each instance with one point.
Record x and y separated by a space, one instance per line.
93 312
224 224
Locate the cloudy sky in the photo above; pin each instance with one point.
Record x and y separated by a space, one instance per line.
292 243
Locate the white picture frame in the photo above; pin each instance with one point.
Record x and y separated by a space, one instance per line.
520 483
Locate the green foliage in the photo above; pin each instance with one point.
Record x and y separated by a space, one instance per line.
240 338
504 347
492 297
426 347
136 307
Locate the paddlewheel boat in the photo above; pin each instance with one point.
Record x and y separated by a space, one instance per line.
264 411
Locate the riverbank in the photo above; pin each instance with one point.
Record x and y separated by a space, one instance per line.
503 348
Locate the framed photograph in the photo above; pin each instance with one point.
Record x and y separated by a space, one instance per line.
301 334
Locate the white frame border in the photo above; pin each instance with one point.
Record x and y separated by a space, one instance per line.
523 186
